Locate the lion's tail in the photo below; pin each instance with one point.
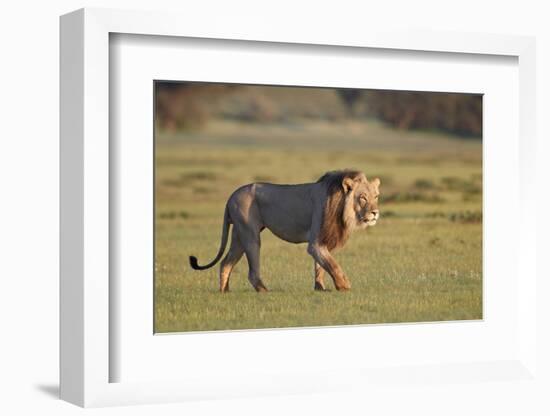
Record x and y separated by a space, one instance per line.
225 233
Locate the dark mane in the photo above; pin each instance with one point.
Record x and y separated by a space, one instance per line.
333 179
334 232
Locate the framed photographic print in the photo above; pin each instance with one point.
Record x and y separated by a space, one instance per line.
317 168
268 214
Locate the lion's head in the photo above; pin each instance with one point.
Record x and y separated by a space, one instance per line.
352 203
361 200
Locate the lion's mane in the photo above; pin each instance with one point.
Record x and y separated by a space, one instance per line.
336 226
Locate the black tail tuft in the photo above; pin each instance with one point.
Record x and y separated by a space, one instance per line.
194 263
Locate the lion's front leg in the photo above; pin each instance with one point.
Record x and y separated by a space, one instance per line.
319 276
323 256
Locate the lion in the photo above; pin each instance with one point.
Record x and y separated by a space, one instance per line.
322 214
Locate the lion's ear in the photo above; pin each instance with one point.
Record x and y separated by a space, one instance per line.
348 184
376 182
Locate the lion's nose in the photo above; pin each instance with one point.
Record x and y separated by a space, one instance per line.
376 213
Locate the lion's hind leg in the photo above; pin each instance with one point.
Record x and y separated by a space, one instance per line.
247 224
250 239
232 257
252 250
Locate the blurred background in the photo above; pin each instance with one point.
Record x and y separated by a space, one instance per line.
185 106
421 262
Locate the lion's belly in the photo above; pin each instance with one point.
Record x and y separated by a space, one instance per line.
290 233
286 212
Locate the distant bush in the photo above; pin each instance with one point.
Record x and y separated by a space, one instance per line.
424 184
199 175
412 196
456 113
172 215
453 183
185 179
470 217
435 214
183 105
251 108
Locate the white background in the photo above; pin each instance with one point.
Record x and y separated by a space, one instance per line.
29 205
368 347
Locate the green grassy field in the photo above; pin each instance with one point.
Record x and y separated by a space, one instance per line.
421 262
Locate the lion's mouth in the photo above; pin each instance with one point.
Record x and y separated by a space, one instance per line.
370 222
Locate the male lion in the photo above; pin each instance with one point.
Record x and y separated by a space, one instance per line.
323 214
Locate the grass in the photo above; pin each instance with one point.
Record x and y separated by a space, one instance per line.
421 262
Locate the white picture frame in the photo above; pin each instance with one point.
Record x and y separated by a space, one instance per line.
86 356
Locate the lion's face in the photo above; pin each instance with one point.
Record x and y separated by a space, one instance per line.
365 201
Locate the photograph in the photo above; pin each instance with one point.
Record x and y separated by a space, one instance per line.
291 206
